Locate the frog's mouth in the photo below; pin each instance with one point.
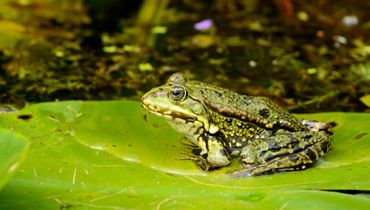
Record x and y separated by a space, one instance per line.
169 115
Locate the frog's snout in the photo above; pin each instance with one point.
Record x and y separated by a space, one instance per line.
148 98
155 100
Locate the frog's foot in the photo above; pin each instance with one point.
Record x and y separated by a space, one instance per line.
315 125
190 149
216 156
279 165
195 154
200 161
204 162
282 151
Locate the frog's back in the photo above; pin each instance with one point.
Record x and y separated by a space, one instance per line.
259 110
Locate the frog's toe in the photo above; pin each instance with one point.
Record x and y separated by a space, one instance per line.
315 125
240 173
200 162
247 172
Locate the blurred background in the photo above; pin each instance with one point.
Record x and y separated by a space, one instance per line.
308 56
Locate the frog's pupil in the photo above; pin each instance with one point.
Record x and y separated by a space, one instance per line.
176 92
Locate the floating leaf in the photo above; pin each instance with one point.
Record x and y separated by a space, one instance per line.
13 148
113 154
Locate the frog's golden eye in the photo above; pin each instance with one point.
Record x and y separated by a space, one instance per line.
177 93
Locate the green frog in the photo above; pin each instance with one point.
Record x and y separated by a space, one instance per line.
223 124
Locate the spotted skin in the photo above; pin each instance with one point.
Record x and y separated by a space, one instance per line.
223 125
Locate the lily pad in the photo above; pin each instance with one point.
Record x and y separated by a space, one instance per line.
113 154
13 148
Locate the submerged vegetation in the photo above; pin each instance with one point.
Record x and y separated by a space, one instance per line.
307 55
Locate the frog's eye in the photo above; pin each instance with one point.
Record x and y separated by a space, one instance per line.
177 93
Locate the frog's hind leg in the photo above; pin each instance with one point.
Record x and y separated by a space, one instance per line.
283 151
279 165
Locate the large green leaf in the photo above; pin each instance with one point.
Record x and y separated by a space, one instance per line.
115 155
13 148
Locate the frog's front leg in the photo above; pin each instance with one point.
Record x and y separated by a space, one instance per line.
215 155
282 151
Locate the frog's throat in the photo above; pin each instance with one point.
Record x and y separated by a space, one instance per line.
179 117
